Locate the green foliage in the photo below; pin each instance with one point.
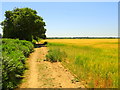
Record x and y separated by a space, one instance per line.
14 54
23 23
34 41
55 55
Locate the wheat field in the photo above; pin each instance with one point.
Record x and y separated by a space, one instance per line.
94 61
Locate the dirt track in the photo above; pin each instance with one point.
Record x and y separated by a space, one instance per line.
44 74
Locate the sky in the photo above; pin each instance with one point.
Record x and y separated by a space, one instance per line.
73 18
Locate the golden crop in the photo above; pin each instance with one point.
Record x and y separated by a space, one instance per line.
94 61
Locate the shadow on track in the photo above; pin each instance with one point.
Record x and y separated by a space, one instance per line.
40 45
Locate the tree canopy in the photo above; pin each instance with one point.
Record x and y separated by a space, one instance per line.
23 23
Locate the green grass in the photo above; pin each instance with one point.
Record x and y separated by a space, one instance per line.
14 53
97 66
55 55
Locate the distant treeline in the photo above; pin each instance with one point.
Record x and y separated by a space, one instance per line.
82 37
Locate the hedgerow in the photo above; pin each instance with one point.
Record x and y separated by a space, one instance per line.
14 53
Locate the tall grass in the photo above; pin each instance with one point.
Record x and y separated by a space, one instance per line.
97 66
55 55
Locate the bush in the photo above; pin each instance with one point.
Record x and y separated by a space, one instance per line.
55 55
45 43
14 54
34 41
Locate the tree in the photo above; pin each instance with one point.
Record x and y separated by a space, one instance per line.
23 23
0 35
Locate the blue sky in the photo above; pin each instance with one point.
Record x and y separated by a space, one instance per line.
74 18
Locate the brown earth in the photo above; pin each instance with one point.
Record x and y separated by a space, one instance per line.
44 74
